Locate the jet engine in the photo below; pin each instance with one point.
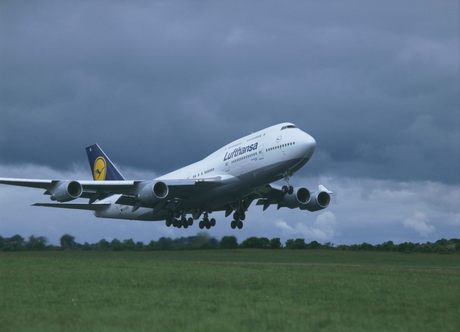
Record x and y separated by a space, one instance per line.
319 200
153 192
65 191
300 197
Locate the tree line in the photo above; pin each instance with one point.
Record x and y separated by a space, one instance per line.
204 241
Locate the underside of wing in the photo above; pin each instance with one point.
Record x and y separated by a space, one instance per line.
150 193
89 207
32 183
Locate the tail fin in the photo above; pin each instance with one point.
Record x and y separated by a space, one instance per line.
101 166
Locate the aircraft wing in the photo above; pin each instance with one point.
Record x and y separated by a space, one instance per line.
115 186
66 190
44 184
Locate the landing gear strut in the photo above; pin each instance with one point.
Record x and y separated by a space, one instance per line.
287 189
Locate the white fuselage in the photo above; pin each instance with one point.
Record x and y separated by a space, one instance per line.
249 162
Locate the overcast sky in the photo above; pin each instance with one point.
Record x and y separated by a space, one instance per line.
160 84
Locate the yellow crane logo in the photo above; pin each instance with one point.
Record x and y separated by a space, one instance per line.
100 169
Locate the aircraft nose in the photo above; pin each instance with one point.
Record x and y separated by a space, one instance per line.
309 145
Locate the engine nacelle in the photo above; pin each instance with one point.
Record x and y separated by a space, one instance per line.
319 200
299 198
65 191
152 192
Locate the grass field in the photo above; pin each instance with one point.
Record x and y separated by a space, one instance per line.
234 290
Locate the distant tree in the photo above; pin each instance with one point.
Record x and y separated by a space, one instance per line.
251 242
295 244
103 245
365 246
327 245
68 241
386 246
128 244
264 243
256 242
36 243
201 241
152 245
275 243
406 247
139 246
313 245
14 243
164 243
228 242
116 245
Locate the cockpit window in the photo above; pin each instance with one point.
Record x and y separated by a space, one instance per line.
288 127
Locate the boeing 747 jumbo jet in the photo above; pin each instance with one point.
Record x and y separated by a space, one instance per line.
229 180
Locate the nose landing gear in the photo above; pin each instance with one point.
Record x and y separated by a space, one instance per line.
287 189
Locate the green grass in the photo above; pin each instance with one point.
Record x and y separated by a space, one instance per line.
220 290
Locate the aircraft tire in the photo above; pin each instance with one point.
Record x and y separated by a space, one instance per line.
201 224
233 224
190 221
240 224
212 222
242 216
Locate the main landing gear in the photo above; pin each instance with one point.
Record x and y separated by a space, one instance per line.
237 221
179 222
206 222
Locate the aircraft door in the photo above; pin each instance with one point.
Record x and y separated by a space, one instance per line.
261 152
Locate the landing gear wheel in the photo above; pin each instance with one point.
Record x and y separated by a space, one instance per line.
233 224
208 226
212 222
190 221
240 224
290 190
242 216
168 222
201 224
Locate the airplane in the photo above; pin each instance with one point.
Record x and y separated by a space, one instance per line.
228 180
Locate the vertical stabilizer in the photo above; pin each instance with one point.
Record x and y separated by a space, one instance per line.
102 167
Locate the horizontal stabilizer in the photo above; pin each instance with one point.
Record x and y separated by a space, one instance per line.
90 207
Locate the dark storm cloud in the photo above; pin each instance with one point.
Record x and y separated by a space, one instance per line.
162 84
